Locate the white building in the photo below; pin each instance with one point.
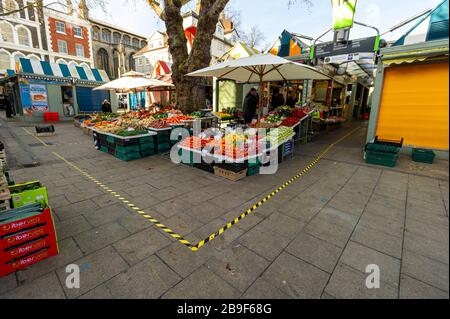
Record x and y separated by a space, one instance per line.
157 48
20 35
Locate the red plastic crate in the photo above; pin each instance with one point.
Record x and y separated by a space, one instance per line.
15 265
45 218
51 117
26 236
20 251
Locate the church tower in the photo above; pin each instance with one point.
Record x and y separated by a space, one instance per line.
83 10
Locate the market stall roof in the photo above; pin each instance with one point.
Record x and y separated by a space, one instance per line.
433 26
272 68
48 69
129 83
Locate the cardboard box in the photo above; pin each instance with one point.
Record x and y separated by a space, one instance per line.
24 194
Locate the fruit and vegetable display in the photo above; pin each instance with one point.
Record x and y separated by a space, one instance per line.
158 125
177 120
196 115
125 133
224 116
279 135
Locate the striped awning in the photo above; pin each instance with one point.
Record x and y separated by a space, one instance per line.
433 26
48 69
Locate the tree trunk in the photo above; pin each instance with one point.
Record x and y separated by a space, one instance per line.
190 91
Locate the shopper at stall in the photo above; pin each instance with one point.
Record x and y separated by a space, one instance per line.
106 106
9 108
277 99
250 106
291 100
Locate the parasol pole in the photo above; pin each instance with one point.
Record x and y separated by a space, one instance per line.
261 92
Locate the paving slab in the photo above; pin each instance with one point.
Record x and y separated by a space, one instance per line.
202 284
426 270
427 247
315 251
148 279
264 290
96 269
141 245
100 237
71 227
378 240
46 287
296 278
8 283
348 283
99 293
411 288
238 266
359 257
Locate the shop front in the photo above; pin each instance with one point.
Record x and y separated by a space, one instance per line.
40 87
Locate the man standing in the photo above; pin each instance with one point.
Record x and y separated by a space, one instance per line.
8 107
250 106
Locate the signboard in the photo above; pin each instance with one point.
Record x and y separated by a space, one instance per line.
33 97
338 59
343 13
38 96
329 49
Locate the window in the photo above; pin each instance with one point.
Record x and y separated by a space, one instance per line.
116 38
106 36
103 61
136 43
60 27
5 61
31 14
126 40
78 32
6 32
96 33
62 47
17 57
11 6
23 36
80 50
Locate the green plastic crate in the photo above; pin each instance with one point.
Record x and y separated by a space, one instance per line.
164 147
423 156
253 163
254 170
28 193
127 149
148 146
104 149
382 148
110 139
129 156
148 153
381 158
187 157
147 140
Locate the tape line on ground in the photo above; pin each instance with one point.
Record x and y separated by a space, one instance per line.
229 225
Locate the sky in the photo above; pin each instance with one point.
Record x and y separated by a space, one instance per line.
273 16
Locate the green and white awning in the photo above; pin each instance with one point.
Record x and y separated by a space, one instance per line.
433 26
53 70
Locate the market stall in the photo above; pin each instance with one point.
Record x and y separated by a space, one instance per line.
244 150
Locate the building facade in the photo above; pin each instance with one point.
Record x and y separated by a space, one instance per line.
21 35
157 48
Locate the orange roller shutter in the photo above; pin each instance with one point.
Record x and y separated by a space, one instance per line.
415 105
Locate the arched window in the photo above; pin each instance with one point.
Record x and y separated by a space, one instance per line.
131 63
5 60
106 36
11 6
103 61
116 64
33 57
126 40
73 68
17 57
116 38
136 43
6 32
24 36
96 33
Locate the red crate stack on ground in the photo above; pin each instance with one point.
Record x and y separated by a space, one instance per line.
51 117
26 241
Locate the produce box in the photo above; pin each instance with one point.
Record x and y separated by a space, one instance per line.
423 156
164 147
148 153
230 175
128 157
146 140
254 170
127 149
104 149
110 139
126 141
381 158
28 193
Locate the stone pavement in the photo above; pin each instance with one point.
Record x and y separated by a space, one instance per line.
314 240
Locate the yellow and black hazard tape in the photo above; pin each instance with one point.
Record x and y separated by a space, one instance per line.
271 195
229 225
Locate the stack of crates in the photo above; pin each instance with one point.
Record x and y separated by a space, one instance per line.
124 149
163 141
253 167
383 152
27 236
420 155
187 157
147 146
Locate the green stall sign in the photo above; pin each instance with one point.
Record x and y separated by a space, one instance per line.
343 13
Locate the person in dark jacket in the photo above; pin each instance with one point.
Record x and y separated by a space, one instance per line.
291 100
250 106
8 107
277 99
106 107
